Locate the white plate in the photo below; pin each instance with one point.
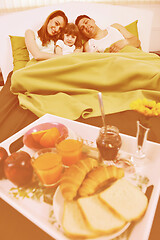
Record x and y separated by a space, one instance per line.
58 205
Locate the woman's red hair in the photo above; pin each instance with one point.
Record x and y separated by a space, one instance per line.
43 33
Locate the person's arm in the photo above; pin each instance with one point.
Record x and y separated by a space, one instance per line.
130 39
33 48
58 50
86 47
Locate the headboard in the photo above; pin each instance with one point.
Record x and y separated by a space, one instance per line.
16 23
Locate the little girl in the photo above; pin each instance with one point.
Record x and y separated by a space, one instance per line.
71 40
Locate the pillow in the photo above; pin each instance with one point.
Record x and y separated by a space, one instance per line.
132 28
19 52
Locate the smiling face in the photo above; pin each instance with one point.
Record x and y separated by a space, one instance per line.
55 25
87 27
69 39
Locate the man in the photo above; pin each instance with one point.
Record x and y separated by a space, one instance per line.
118 35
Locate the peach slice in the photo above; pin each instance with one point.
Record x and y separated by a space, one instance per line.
49 138
37 135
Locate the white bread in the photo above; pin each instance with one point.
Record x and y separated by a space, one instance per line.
73 222
98 216
125 199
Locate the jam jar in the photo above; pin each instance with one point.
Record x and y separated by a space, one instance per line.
108 142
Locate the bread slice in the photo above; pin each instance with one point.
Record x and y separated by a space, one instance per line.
73 222
98 215
125 199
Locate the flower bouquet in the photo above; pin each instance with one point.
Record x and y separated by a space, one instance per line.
146 109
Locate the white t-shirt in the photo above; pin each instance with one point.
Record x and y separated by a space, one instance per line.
100 45
49 48
65 48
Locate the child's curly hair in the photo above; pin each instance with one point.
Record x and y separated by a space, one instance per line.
72 29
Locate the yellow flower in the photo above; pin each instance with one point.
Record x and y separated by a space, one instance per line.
148 108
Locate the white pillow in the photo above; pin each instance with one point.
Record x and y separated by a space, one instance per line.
17 23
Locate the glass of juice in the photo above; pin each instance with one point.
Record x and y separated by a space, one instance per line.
70 150
47 164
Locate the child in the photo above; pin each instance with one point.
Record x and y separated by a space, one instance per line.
71 40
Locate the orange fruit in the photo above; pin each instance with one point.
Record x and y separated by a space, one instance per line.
37 135
49 138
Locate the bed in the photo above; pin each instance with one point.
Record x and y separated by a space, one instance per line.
77 100
104 15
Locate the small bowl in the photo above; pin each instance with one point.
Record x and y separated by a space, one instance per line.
47 164
35 145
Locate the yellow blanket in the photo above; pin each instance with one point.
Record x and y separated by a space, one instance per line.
67 86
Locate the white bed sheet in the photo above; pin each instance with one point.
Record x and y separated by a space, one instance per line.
16 23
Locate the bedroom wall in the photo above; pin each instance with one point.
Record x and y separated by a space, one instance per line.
155 34
7 6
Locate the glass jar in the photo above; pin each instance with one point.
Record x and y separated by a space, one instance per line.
108 142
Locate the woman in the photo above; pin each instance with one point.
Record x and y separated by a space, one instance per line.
114 37
41 43
41 47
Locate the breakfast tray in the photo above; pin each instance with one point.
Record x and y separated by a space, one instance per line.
38 212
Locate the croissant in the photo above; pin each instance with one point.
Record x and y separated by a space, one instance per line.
98 177
74 176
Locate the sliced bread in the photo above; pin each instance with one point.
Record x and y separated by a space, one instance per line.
98 216
73 222
125 199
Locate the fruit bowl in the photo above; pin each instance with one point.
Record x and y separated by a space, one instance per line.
44 135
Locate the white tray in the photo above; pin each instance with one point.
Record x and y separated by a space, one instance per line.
38 212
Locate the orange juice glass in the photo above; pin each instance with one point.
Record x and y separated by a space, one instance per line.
47 164
70 150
